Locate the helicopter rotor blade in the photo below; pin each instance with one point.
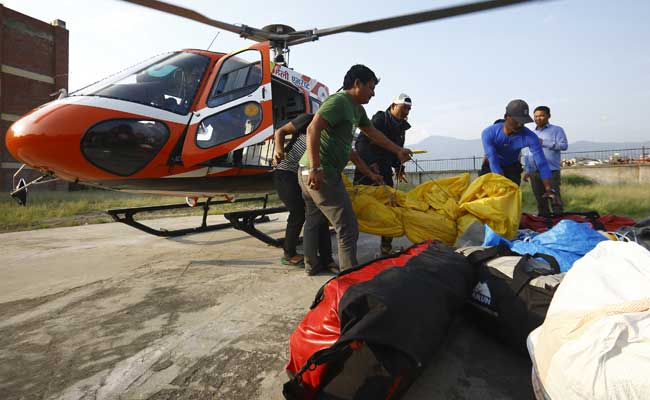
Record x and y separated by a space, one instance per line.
244 31
304 36
404 20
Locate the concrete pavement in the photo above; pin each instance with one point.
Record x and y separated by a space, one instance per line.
108 312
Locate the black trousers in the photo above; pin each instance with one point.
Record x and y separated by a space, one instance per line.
286 184
537 185
512 172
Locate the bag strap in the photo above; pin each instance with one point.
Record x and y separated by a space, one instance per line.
521 276
587 214
321 357
320 294
482 256
550 260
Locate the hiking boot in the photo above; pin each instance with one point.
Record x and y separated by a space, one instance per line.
311 271
314 268
385 250
386 247
330 264
333 267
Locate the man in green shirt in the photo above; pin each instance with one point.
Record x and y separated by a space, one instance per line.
329 148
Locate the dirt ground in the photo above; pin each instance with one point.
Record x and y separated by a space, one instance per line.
108 312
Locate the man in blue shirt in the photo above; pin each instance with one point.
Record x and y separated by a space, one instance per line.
553 140
503 141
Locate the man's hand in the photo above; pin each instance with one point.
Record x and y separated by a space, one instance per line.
552 194
374 167
315 179
404 155
377 179
400 175
526 176
549 193
278 155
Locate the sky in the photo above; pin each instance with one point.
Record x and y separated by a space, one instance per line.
588 60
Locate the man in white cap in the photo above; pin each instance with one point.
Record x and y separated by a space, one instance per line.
392 123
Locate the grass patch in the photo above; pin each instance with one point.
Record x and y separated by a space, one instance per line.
624 200
58 209
577 180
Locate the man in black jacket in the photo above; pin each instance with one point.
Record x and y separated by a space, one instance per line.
393 124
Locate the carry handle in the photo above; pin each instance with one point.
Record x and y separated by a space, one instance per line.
521 277
482 256
550 260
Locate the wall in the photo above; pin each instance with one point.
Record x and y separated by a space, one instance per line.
34 64
608 174
612 174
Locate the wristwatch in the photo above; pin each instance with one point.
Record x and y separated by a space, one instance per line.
315 169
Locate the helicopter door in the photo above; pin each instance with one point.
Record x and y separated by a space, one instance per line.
235 110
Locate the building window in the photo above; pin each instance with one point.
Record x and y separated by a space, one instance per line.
123 146
238 76
230 124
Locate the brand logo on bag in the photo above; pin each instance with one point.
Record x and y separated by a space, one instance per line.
481 293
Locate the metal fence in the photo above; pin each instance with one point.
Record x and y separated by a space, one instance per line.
449 164
616 156
596 157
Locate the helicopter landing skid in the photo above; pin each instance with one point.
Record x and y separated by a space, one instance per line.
241 220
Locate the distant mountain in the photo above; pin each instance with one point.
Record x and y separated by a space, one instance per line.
444 147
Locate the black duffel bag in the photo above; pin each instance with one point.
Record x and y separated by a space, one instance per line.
512 292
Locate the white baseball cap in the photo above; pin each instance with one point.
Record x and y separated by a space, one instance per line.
403 98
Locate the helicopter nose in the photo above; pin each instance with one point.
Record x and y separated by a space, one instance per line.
27 143
45 139
20 142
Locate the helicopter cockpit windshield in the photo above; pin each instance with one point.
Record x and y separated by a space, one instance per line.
169 83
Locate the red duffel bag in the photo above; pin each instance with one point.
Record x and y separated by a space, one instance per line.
371 330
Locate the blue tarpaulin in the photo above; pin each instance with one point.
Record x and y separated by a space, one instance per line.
567 242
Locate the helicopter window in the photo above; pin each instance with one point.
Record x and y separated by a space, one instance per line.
169 84
238 76
230 124
315 105
288 102
123 146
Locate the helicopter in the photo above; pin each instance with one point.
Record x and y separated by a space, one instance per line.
191 123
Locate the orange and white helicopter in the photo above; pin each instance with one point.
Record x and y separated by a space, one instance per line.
190 123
